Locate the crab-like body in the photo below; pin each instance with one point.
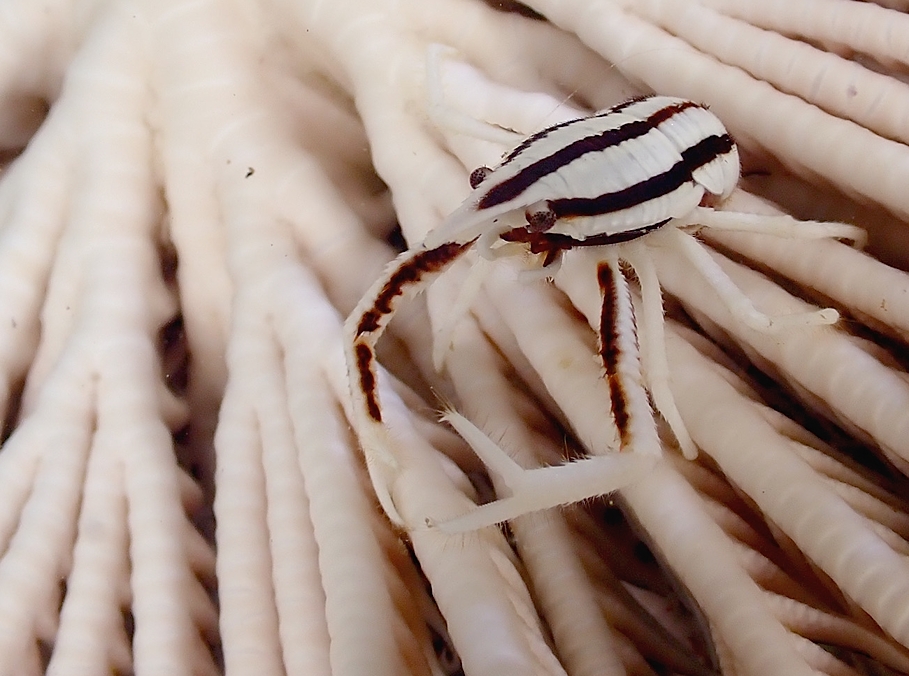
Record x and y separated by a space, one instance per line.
650 167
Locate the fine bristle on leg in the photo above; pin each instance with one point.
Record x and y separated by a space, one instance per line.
405 276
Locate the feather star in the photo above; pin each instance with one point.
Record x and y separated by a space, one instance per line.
195 193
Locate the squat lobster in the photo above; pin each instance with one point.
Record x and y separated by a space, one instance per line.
643 171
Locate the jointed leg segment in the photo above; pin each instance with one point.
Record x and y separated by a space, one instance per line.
619 352
540 487
779 225
405 276
410 272
653 338
737 302
530 489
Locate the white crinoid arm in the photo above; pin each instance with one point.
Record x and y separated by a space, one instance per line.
93 492
194 194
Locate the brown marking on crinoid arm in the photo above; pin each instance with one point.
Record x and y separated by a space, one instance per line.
611 351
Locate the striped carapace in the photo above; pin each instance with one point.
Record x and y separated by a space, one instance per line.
645 167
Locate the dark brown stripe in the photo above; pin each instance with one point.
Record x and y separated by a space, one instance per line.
619 107
533 138
707 150
673 178
611 352
543 133
410 272
551 243
529 175
365 361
